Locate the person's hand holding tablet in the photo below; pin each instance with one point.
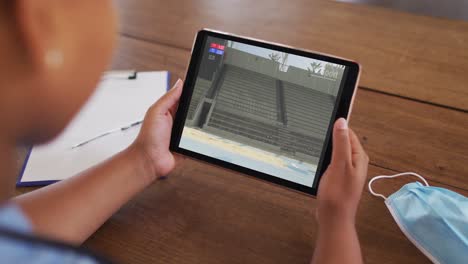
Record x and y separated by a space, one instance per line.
153 140
269 111
263 109
338 198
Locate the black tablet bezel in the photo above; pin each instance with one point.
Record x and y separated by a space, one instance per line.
342 107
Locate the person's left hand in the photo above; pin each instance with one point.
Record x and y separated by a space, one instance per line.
155 134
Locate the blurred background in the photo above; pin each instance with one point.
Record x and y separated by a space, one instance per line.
453 9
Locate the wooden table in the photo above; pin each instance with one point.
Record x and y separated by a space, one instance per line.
410 113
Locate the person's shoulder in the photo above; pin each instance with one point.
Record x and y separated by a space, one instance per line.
19 245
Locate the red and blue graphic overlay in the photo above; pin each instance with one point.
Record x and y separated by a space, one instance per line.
216 49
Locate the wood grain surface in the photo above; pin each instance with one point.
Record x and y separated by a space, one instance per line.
206 214
410 114
413 56
397 133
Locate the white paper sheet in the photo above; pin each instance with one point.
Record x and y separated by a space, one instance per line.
116 103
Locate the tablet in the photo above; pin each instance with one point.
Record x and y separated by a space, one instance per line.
262 109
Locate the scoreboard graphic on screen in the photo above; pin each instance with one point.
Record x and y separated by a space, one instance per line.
212 59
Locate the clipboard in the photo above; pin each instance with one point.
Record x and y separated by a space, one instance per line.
122 97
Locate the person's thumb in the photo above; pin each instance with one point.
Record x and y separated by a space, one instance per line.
171 98
341 143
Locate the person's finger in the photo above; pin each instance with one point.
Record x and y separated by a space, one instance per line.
173 109
359 156
356 146
171 98
341 153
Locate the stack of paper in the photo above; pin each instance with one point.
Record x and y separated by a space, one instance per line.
117 102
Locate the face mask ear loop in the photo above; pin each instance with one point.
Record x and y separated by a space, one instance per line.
369 186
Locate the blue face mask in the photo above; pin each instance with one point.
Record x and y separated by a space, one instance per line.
434 219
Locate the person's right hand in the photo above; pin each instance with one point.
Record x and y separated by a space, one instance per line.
342 183
155 134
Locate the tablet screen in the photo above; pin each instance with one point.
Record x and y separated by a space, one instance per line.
262 109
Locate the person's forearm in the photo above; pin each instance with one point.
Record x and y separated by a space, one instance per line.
73 209
337 243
